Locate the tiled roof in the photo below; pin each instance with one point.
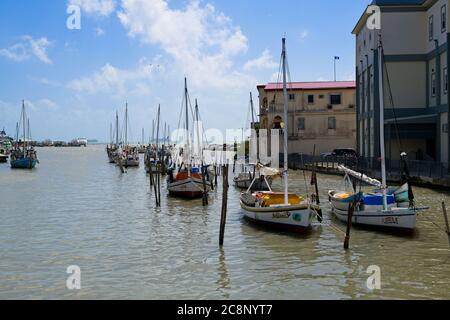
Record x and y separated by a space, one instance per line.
322 85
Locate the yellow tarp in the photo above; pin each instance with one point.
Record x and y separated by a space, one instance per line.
343 195
278 199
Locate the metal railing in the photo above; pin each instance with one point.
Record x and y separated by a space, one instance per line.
370 166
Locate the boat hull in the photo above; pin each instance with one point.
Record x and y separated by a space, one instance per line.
188 188
3 158
293 218
395 218
402 219
26 163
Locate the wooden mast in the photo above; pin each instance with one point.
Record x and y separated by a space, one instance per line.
382 142
285 129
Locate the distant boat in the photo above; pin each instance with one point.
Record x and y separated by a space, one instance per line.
112 149
128 155
25 158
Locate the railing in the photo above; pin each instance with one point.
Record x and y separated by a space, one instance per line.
371 166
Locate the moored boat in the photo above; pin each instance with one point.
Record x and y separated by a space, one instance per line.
24 156
275 209
386 208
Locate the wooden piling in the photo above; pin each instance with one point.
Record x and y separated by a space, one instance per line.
447 227
223 217
351 210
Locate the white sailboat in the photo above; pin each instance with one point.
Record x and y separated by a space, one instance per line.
280 209
384 208
187 179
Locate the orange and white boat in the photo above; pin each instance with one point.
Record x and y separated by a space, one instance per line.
187 184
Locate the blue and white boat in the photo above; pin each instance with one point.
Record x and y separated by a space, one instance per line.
386 208
23 156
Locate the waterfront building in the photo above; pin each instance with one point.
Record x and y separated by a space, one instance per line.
320 113
415 40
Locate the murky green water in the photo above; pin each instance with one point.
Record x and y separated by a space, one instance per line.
76 209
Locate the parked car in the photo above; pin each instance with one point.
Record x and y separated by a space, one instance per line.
347 153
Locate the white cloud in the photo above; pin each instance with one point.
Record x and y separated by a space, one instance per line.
265 61
119 82
95 7
202 42
30 47
99 32
304 34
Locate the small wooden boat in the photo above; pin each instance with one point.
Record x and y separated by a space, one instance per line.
112 149
128 155
188 179
25 157
275 209
187 184
245 179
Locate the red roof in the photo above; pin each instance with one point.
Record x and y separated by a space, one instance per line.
323 85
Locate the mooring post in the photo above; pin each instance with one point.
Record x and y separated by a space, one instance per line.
223 217
351 209
158 175
205 191
447 227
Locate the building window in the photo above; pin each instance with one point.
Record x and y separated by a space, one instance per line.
301 124
444 18
445 128
445 81
310 99
335 99
433 84
331 123
431 28
291 97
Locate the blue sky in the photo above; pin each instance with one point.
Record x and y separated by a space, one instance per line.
139 51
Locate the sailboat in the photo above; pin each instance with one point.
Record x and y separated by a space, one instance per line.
187 179
244 179
113 149
280 210
25 158
385 208
151 156
129 155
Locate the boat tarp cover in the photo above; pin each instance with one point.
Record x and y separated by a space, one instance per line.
271 199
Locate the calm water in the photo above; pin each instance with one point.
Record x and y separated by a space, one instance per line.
76 209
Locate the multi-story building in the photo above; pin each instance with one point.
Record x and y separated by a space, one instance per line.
320 114
415 39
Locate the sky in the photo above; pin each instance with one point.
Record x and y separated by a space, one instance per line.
139 51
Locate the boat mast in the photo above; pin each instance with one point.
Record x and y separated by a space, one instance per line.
285 133
382 142
111 133
143 142
153 131
117 129
187 114
197 117
157 131
252 126
24 130
126 124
